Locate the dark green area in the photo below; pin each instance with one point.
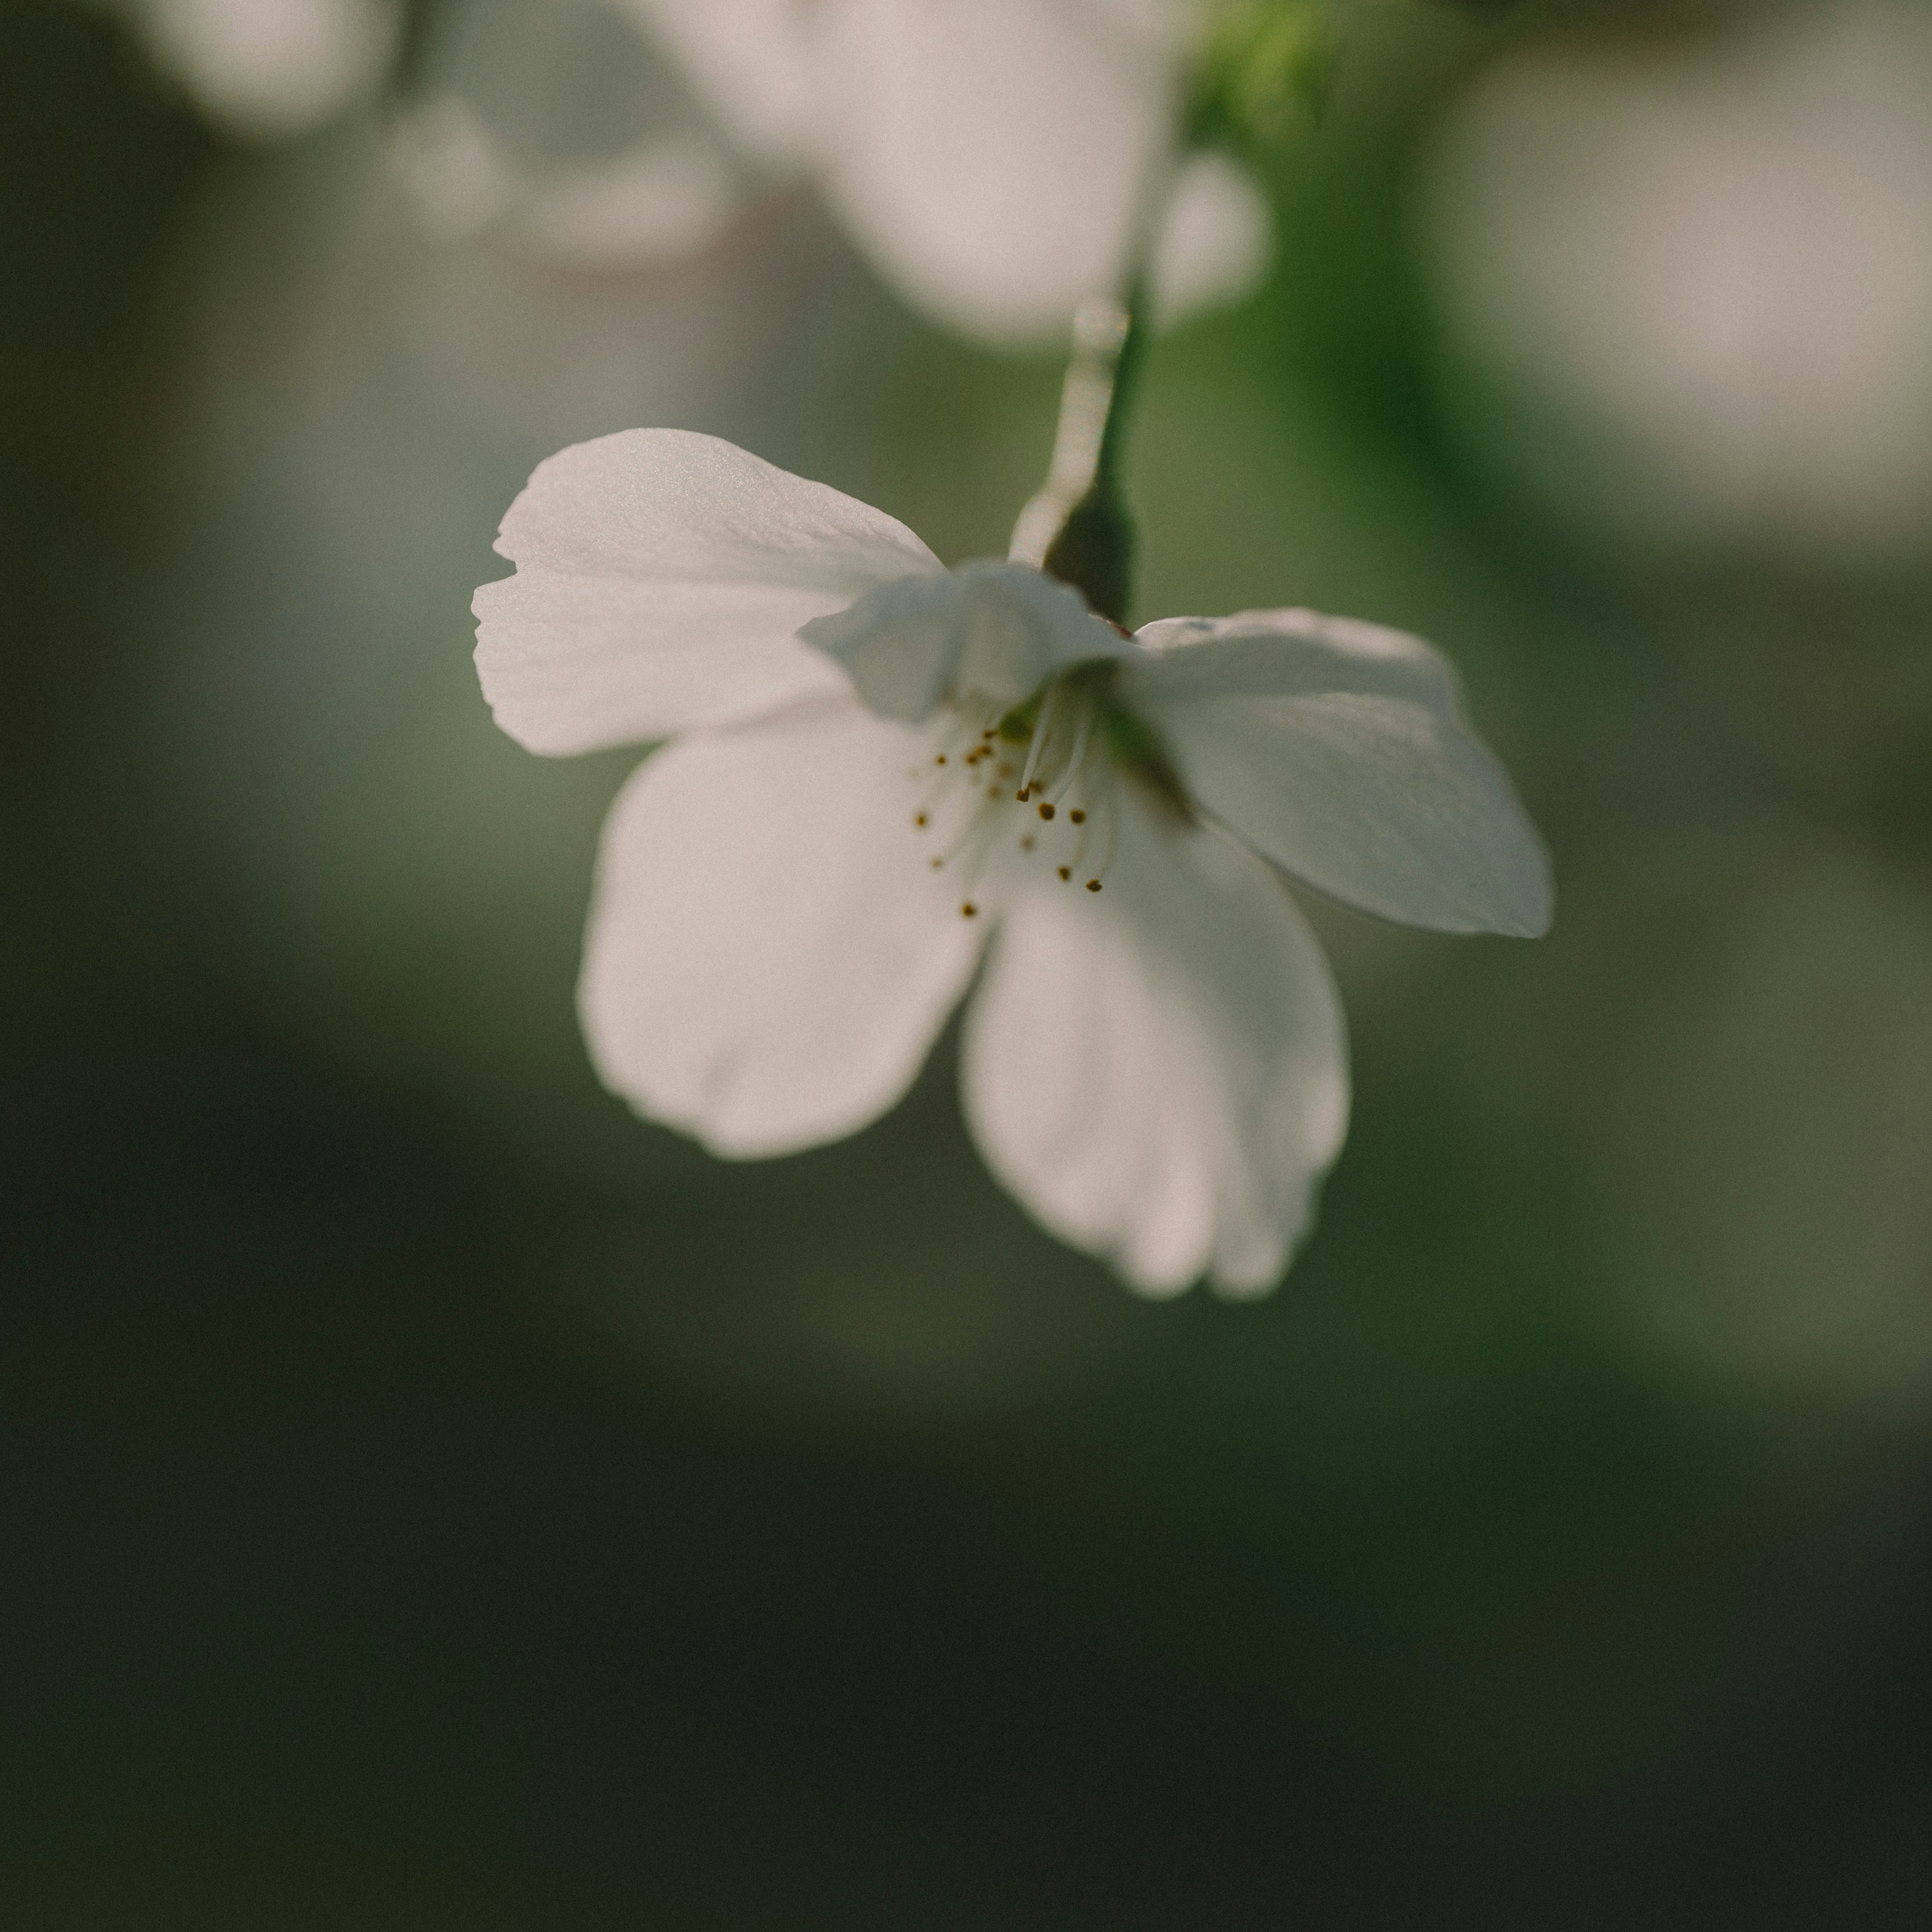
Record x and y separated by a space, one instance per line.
424 1511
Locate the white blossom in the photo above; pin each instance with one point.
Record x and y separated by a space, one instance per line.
885 777
269 67
1691 278
564 132
999 161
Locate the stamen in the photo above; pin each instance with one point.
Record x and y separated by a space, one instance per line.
1110 824
1076 758
1036 745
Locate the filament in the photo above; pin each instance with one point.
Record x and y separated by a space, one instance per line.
1036 745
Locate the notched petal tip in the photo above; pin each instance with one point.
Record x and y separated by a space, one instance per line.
662 577
1160 1075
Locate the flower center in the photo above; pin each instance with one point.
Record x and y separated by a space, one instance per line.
1036 786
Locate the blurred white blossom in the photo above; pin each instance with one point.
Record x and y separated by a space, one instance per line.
999 161
884 773
1695 276
269 67
564 131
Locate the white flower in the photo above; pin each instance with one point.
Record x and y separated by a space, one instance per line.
998 161
270 67
1693 273
565 131
882 773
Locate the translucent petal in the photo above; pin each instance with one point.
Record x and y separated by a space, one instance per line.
996 630
1215 238
989 155
751 60
662 577
1158 1071
272 68
770 958
1338 750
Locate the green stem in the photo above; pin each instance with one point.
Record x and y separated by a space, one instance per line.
1078 528
1127 366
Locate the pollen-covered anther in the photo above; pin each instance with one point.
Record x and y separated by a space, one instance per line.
1046 809
1093 885
1078 817
1066 871
970 910
922 820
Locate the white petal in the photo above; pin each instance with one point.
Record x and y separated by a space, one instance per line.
662 577
1158 1071
994 629
1338 750
989 154
1216 239
272 67
769 958
750 60
655 202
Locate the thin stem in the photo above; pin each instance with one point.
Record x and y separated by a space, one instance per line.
1129 361
1100 330
1078 528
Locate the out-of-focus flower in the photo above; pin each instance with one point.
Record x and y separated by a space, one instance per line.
883 771
1000 161
1694 278
565 131
269 67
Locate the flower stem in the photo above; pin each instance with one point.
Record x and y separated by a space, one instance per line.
1078 529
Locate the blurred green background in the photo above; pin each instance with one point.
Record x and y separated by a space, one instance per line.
429 1498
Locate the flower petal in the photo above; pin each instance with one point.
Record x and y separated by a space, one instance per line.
1158 1071
1338 750
995 629
1216 236
749 58
662 577
989 154
271 69
769 958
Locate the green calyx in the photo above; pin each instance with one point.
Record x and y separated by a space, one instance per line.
1094 552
